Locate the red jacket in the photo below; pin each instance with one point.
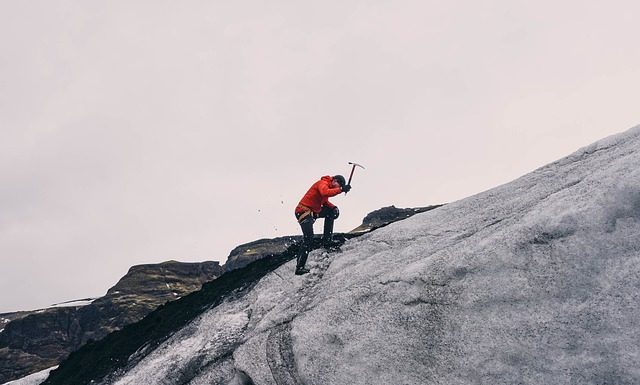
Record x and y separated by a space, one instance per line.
319 194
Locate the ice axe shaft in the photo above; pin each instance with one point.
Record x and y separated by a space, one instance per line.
352 170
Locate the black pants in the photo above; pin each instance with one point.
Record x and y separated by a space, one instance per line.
329 215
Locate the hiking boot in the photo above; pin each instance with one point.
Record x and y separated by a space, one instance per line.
301 270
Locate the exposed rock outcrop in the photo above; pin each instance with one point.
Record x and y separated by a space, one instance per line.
388 215
244 254
32 341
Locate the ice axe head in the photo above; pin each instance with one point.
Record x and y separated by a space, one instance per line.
353 169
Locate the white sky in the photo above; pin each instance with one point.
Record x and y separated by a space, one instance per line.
142 131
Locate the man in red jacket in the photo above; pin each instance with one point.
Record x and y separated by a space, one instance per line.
315 204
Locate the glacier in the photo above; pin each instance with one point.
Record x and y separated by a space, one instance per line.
536 281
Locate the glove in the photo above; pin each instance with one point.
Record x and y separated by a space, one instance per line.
346 188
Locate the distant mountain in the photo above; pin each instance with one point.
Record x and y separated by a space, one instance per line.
35 340
532 282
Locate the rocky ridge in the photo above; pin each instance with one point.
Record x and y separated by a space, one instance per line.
35 340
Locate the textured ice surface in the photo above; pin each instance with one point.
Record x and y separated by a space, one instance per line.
534 282
33 379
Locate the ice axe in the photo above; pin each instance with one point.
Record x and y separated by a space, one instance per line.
352 170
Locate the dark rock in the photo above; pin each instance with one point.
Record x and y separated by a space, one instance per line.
33 341
243 255
388 215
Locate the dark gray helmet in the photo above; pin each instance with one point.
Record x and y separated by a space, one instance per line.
340 179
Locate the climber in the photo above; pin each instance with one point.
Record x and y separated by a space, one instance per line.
315 204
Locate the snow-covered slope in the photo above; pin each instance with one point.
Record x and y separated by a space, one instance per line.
533 282
32 379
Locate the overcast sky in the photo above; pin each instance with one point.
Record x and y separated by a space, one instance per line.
144 131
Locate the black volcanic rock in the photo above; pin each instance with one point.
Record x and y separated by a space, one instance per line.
32 341
244 254
388 215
